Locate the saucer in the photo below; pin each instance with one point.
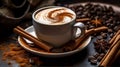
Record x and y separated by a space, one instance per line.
24 43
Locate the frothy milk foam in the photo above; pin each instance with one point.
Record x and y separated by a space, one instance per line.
56 15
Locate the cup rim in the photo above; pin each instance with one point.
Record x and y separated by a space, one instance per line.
34 13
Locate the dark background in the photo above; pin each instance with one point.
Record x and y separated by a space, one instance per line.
115 2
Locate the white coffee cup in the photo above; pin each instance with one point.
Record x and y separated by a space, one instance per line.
56 25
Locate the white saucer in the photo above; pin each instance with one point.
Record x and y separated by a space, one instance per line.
48 54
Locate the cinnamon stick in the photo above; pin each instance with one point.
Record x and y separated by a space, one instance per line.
112 40
82 19
115 41
106 61
117 55
21 32
79 40
88 33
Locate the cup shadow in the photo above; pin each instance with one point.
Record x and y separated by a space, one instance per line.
66 61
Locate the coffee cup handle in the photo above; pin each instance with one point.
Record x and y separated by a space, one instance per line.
79 26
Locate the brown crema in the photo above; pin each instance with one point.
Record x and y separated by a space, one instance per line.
60 16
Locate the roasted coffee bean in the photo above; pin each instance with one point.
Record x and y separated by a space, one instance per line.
108 24
114 23
110 9
118 22
102 49
111 35
88 22
91 58
116 28
96 55
104 35
88 5
95 43
94 62
104 8
110 13
79 13
79 8
86 13
110 30
99 58
100 37
91 26
35 61
104 17
102 54
82 16
111 25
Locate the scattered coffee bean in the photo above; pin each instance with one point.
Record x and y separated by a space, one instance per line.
111 35
94 62
91 58
35 61
116 28
95 43
90 27
96 55
99 58
100 37
104 35
118 22
102 54
110 30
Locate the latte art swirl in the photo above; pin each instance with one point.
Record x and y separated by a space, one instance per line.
55 15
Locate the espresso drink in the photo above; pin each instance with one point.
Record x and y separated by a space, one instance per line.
56 25
55 15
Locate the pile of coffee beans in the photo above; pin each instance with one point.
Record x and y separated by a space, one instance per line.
107 16
101 46
95 58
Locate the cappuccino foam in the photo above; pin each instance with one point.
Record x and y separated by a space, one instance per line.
56 15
